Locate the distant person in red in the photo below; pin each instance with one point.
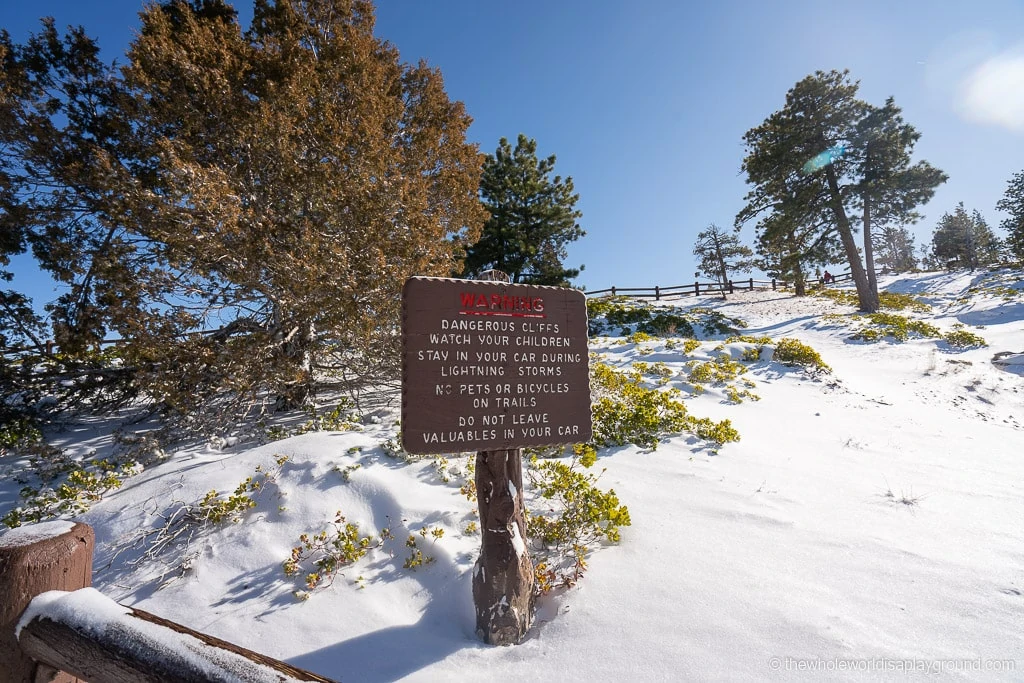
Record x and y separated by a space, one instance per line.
828 278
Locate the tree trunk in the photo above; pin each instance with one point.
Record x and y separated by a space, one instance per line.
503 578
723 273
869 252
799 281
296 344
868 303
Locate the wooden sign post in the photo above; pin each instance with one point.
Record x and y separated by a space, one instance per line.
494 367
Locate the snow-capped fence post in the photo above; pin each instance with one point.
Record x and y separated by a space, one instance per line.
36 559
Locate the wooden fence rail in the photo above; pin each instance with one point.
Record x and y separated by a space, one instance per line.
709 288
53 627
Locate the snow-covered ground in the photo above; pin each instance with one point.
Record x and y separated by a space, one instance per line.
869 523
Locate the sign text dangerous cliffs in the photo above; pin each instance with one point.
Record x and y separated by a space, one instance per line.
491 365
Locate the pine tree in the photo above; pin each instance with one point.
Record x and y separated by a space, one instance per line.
889 189
532 217
894 246
963 240
789 241
720 253
241 207
1012 202
839 155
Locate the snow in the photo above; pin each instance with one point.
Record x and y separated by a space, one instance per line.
27 535
868 522
88 611
517 541
87 608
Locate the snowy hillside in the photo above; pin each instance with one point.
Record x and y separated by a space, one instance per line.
868 521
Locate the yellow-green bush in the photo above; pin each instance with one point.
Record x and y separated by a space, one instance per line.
898 302
889 300
720 370
898 327
961 338
568 517
328 551
627 412
617 314
794 352
83 485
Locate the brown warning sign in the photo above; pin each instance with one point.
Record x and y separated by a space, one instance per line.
492 366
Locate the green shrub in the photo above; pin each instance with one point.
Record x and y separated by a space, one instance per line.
717 371
719 433
341 418
793 352
626 316
570 515
19 431
668 324
715 322
659 371
897 327
843 297
328 551
639 337
738 395
898 302
888 300
763 340
416 557
217 509
627 412
961 338
84 484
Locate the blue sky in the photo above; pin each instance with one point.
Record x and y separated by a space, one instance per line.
645 103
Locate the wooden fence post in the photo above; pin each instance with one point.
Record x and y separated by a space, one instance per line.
751 284
732 290
503 577
35 559
696 289
657 293
773 284
613 291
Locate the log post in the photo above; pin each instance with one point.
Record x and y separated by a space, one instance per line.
732 289
613 291
503 577
35 559
773 284
657 293
751 284
696 289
